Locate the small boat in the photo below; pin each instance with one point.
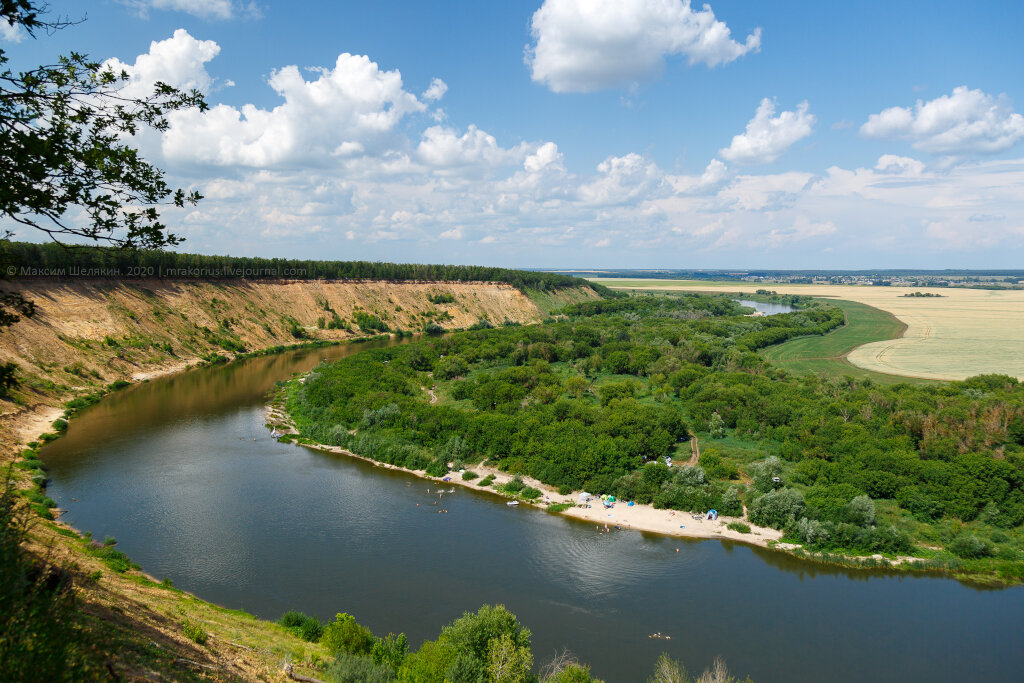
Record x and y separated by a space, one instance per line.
512 502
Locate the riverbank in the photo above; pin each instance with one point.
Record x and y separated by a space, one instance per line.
87 334
130 624
622 516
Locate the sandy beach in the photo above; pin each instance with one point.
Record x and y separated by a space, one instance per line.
621 516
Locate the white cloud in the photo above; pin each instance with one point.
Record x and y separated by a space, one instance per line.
11 33
715 176
966 122
801 229
766 138
445 148
890 163
624 179
346 111
204 9
436 90
179 61
456 233
587 45
350 157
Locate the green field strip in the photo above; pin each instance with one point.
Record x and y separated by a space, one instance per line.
828 353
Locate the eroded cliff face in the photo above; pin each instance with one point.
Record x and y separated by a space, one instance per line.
88 333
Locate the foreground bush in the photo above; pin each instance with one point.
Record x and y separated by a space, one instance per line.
39 640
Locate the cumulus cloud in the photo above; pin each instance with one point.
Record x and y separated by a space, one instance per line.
891 163
205 9
963 123
715 176
587 45
179 61
768 136
436 90
350 110
624 179
351 156
445 148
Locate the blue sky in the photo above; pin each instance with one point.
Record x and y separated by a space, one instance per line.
572 133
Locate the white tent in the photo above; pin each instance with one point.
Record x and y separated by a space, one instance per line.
583 497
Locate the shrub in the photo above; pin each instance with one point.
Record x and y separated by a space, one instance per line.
344 634
302 625
486 481
860 511
970 546
716 426
438 467
390 650
764 474
352 669
529 493
60 424
195 632
469 475
115 559
369 322
559 507
731 503
777 509
441 298
741 527
811 532
514 485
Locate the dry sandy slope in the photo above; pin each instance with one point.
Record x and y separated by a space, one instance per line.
964 332
88 333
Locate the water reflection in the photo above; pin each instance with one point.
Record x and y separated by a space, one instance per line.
766 307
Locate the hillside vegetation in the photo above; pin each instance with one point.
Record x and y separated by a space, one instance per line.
595 401
88 333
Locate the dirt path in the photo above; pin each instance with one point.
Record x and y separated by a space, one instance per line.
695 450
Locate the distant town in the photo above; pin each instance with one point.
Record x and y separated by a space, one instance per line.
987 279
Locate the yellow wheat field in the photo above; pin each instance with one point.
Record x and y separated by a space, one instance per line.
966 332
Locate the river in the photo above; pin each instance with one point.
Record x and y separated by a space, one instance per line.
766 307
182 471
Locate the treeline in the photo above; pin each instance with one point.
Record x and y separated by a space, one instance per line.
51 259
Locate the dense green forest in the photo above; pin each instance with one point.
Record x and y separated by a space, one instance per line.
52 259
596 400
